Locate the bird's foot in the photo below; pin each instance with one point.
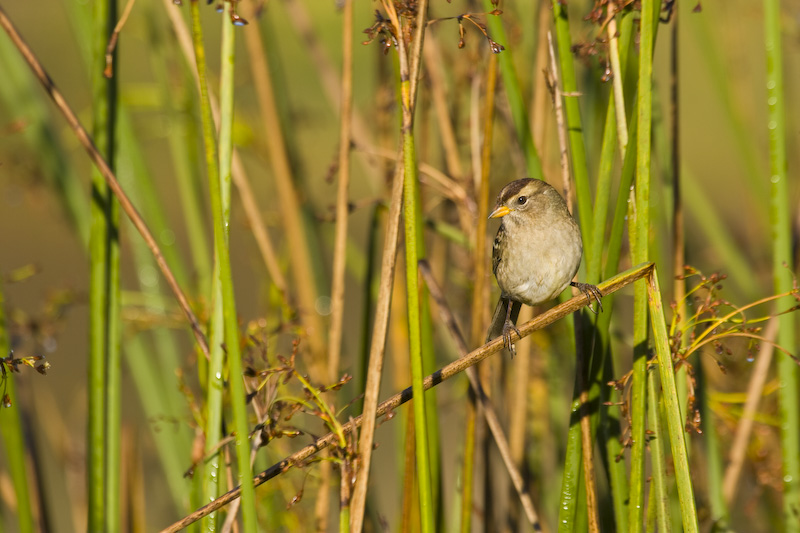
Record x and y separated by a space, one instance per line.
591 292
508 327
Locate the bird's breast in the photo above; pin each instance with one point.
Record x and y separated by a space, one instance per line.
538 262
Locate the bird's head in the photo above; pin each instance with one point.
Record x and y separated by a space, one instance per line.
523 195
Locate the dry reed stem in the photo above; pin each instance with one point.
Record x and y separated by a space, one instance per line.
408 73
376 352
561 125
755 390
486 406
86 141
342 211
518 396
480 299
339 251
543 320
539 117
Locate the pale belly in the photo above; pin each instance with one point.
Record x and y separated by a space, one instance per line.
542 270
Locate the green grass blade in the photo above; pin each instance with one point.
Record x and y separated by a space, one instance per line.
782 267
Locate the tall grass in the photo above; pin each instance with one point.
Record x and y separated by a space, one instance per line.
263 384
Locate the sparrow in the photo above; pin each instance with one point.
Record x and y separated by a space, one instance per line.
536 252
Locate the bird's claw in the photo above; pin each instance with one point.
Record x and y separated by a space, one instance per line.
591 292
508 326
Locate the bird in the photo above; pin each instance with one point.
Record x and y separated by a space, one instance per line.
536 252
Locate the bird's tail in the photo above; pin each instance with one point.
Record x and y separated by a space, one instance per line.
499 317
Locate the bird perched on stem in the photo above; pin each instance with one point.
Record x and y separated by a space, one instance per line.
536 253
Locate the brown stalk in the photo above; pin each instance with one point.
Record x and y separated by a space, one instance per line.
376 352
616 83
322 504
561 125
541 321
340 238
755 390
475 429
539 116
378 341
240 179
487 408
86 141
518 396
581 365
481 305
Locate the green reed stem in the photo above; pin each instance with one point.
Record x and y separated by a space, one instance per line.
568 508
414 331
639 230
220 204
103 447
783 267
677 435
572 113
660 497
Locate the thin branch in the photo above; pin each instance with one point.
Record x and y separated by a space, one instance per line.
541 321
112 42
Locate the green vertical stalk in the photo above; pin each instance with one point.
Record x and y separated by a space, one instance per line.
215 389
639 230
783 266
677 435
103 447
414 329
218 176
220 204
660 499
214 378
568 507
572 113
13 435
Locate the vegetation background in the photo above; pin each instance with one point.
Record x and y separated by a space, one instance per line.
283 116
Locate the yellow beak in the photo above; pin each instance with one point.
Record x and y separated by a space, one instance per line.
500 212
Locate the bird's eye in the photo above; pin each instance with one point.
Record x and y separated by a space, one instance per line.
521 200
